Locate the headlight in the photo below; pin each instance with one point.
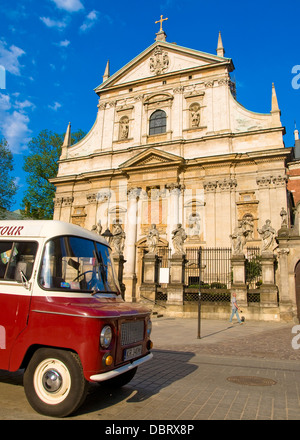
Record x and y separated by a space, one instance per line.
106 336
149 328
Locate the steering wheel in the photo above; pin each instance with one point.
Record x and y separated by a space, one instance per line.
83 274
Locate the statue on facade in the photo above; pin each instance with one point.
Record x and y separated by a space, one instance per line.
97 228
195 115
118 238
179 236
238 239
194 224
283 215
152 239
248 227
267 234
124 128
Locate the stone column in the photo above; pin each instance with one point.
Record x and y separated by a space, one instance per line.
66 209
58 201
239 279
91 210
173 211
129 278
210 211
268 289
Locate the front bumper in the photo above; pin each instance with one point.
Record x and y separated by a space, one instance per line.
113 373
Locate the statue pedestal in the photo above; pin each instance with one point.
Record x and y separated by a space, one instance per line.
150 277
176 286
239 285
268 289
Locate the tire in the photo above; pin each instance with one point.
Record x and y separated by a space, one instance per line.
119 381
54 382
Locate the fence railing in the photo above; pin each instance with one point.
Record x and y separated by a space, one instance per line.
214 273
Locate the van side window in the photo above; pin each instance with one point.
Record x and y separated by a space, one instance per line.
17 257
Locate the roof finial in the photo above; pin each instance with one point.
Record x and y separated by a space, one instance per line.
220 48
67 140
161 35
106 73
66 143
275 107
296 133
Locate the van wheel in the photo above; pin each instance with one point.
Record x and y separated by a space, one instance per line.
121 380
54 382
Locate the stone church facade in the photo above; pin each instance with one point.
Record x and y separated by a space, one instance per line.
171 145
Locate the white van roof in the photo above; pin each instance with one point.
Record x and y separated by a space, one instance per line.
45 229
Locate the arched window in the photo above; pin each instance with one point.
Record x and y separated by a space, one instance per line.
158 122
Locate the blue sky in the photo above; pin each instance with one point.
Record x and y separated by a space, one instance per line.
54 53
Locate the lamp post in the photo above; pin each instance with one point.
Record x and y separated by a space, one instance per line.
199 297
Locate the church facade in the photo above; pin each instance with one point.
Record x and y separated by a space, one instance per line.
171 145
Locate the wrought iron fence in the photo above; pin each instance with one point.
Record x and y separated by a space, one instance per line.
212 268
214 274
215 271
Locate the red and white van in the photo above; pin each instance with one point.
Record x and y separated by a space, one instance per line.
62 317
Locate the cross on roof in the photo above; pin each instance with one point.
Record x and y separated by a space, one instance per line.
161 22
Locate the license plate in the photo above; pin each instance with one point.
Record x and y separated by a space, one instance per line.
133 352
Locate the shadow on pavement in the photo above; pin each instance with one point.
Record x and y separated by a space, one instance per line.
165 368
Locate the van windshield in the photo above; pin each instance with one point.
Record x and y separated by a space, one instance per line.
77 264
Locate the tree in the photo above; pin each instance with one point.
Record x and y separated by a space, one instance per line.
8 187
41 165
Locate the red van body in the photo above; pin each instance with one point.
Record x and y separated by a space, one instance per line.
62 317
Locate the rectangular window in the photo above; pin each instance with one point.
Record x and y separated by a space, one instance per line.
17 258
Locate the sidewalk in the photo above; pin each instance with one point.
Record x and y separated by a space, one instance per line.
233 372
267 340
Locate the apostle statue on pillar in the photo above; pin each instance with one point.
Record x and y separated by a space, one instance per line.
267 234
179 236
118 238
152 239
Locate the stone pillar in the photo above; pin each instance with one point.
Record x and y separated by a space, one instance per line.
150 277
268 289
176 286
239 279
130 278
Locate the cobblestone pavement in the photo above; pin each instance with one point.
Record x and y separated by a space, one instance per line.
248 372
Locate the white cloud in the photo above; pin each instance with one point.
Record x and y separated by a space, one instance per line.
49 22
16 131
24 104
14 121
89 21
5 103
9 58
64 43
55 106
69 5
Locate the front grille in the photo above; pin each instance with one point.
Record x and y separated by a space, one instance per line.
131 332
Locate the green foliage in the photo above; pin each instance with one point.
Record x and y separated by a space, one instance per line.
253 269
41 164
8 188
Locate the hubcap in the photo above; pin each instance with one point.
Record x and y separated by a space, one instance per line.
52 381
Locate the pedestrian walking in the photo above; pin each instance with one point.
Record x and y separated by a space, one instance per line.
234 309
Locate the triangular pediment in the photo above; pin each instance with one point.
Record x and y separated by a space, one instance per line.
162 58
151 158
